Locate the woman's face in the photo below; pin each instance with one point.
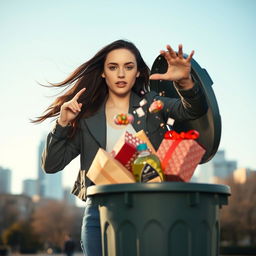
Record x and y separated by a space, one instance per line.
120 71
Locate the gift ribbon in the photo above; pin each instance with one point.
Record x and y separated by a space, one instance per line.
169 153
177 137
190 135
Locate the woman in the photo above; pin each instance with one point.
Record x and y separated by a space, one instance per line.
114 81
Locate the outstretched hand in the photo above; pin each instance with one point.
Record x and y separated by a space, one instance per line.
70 109
178 67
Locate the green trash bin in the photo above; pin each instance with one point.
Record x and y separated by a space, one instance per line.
151 219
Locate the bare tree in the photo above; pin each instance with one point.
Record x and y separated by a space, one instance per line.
53 220
238 219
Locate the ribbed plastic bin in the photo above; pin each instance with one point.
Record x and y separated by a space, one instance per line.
160 219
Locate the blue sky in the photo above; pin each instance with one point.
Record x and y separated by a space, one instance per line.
45 40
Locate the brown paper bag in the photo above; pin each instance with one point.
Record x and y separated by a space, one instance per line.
107 170
142 136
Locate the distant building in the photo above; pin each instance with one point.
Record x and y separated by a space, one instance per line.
5 181
40 172
241 175
217 168
49 185
30 187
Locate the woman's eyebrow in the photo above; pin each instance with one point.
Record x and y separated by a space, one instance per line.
127 63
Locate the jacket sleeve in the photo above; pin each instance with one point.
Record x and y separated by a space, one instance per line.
191 105
59 149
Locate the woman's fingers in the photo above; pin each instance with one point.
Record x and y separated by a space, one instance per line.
166 56
77 96
189 58
74 106
170 54
180 51
157 76
171 51
70 109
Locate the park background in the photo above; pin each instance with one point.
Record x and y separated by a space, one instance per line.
45 41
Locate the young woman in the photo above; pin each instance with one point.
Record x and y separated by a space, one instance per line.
114 81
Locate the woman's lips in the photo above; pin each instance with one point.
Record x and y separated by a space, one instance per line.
121 83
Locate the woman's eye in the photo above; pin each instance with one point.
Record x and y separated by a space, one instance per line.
129 67
112 67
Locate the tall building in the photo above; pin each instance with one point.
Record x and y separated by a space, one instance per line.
41 174
5 181
49 185
217 167
30 187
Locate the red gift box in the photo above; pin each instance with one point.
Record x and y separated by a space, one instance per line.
179 155
125 150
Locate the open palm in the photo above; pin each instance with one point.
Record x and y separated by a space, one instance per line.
178 67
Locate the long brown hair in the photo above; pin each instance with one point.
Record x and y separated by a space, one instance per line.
88 76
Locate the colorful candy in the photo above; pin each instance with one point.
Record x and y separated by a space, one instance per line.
156 106
123 119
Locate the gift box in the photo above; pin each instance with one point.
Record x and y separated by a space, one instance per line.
143 137
125 149
107 170
179 155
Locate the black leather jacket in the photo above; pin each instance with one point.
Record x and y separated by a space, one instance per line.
91 134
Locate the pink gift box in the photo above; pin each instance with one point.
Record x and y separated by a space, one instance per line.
179 158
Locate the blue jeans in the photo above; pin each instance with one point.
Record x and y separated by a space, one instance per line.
90 232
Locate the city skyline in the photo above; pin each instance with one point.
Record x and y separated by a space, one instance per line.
45 41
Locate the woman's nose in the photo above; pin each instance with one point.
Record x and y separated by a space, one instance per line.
121 72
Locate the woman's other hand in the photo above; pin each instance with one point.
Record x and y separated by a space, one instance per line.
70 109
178 68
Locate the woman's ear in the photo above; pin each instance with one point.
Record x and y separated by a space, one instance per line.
103 75
138 74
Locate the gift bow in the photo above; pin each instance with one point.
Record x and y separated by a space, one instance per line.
172 135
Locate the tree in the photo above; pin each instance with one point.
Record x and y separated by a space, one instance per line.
9 213
249 208
20 237
238 219
52 220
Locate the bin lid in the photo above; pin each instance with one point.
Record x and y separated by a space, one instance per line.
209 125
159 187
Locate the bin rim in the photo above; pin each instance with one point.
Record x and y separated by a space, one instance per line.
159 187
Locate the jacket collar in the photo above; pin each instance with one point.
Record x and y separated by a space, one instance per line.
97 123
97 126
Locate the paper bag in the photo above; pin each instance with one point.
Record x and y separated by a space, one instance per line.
106 170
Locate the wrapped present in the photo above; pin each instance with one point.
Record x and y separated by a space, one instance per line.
106 170
180 154
142 136
125 149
